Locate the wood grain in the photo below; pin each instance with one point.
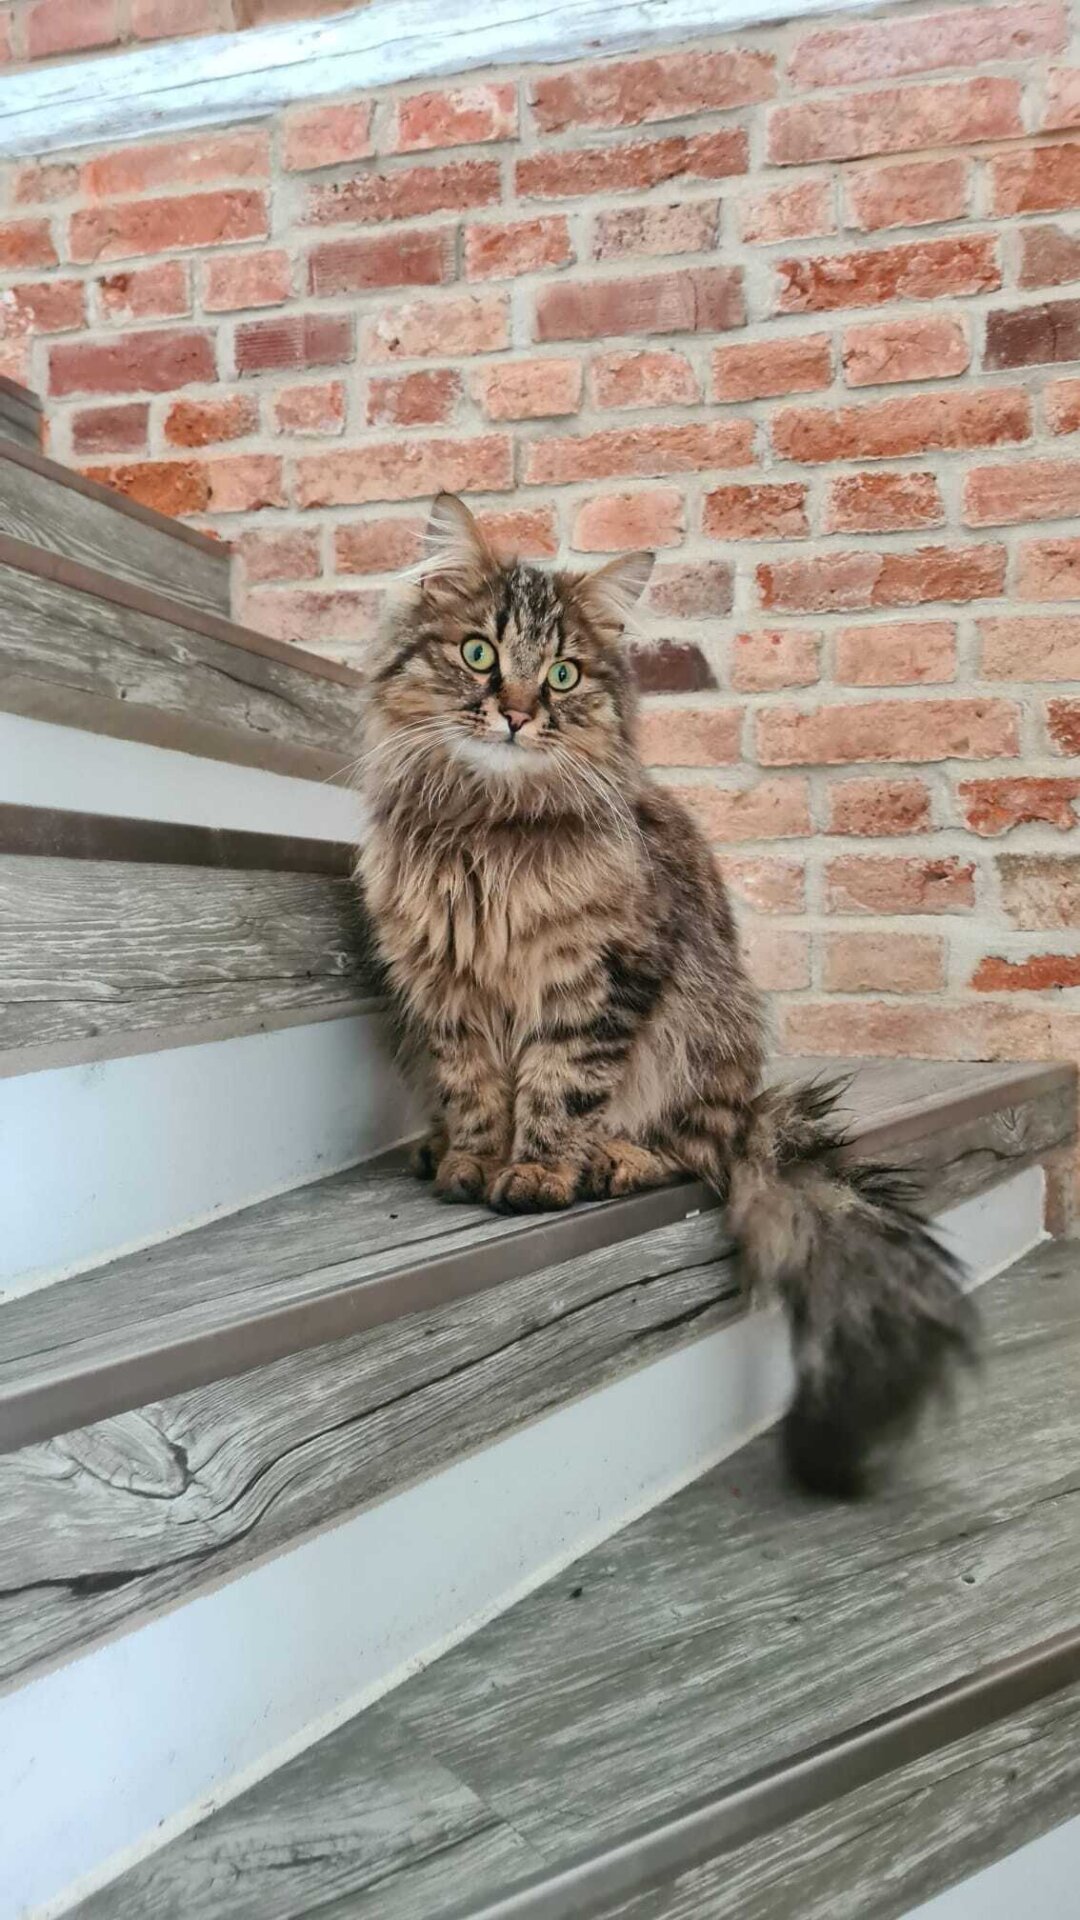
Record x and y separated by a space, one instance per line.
39 505
20 424
728 1629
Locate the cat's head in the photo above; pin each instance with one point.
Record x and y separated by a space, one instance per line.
507 675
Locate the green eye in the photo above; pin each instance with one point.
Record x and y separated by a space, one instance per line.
477 653
563 674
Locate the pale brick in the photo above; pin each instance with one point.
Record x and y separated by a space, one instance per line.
770 367
237 280
917 730
464 116
852 126
788 212
472 323
644 378
626 93
1031 647
895 883
766 510
1025 490
883 963
835 582
1049 569
765 661
684 226
690 736
403 470
766 810
327 136
873 808
310 410
529 389
644 451
924 347
908 194
895 654
886 49
625 522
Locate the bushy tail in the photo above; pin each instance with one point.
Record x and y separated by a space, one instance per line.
875 1301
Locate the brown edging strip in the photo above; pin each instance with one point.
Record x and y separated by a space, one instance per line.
124 593
95 1390
59 835
109 497
23 395
88 1051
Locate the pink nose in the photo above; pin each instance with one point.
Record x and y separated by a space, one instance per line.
515 721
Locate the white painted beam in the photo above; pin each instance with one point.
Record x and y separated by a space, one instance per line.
193 83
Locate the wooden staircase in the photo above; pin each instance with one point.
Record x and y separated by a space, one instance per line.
276 1429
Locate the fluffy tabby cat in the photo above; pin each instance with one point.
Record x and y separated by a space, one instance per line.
561 949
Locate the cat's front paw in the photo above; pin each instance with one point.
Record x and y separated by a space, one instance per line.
530 1186
464 1176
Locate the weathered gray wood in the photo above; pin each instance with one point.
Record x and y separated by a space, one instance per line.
20 421
729 1629
93 946
70 654
49 507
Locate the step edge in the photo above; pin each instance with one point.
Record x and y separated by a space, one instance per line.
62 833
58 1054
76 482
14 390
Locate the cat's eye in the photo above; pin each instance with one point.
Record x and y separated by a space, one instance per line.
478 653
563 674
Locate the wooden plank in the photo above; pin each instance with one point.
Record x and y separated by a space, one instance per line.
59 834
90 946
20 425
729 1629
52 507
370 1245
80 650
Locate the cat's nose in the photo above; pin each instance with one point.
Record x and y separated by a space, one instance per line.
515 721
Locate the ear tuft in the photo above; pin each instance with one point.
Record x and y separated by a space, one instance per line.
617 587
453 543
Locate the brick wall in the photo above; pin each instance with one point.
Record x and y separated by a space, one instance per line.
799 309
32 30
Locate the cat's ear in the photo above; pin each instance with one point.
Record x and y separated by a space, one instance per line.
453 543
615 589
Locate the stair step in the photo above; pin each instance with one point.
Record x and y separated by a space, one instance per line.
20 414
83 649
731 1629
55 508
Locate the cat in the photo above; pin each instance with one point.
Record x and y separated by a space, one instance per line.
561 950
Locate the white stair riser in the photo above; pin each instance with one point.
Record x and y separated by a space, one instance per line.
115 1753
42 765
1040 1879
100 1159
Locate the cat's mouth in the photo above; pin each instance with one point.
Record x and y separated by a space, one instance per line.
488 753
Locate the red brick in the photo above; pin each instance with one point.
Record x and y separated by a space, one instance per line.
500 249
683 226
645 451
310 410
37 182
915 1030
1033 336
1036 179
58 26
684 300
670 666
783 657
767 810
852 126
1031 647
121 429
908 194
259 13
1040 889
776 958
294 342
890 429
896 653
413 258
472 323
236 280
404 470
917 270
788 212
42 306
311 617
169 20
1039 973
153 361
767 884
626 93
765 510
161 292
1049 257
992 807
882 503
922 347
244 482
529 389
618 522
425 399
199 423
1049 569
888 730
1026 490
530 533
690 590
408 194
958 37
7 53
15 361
464 116
1061 405
327 136
835 582
1063 725
894 883
769 367
874 808
191 162
883 963
633 166
644 378
173 487
292 554
1062 99
162 226
690 737
378 546
26 243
